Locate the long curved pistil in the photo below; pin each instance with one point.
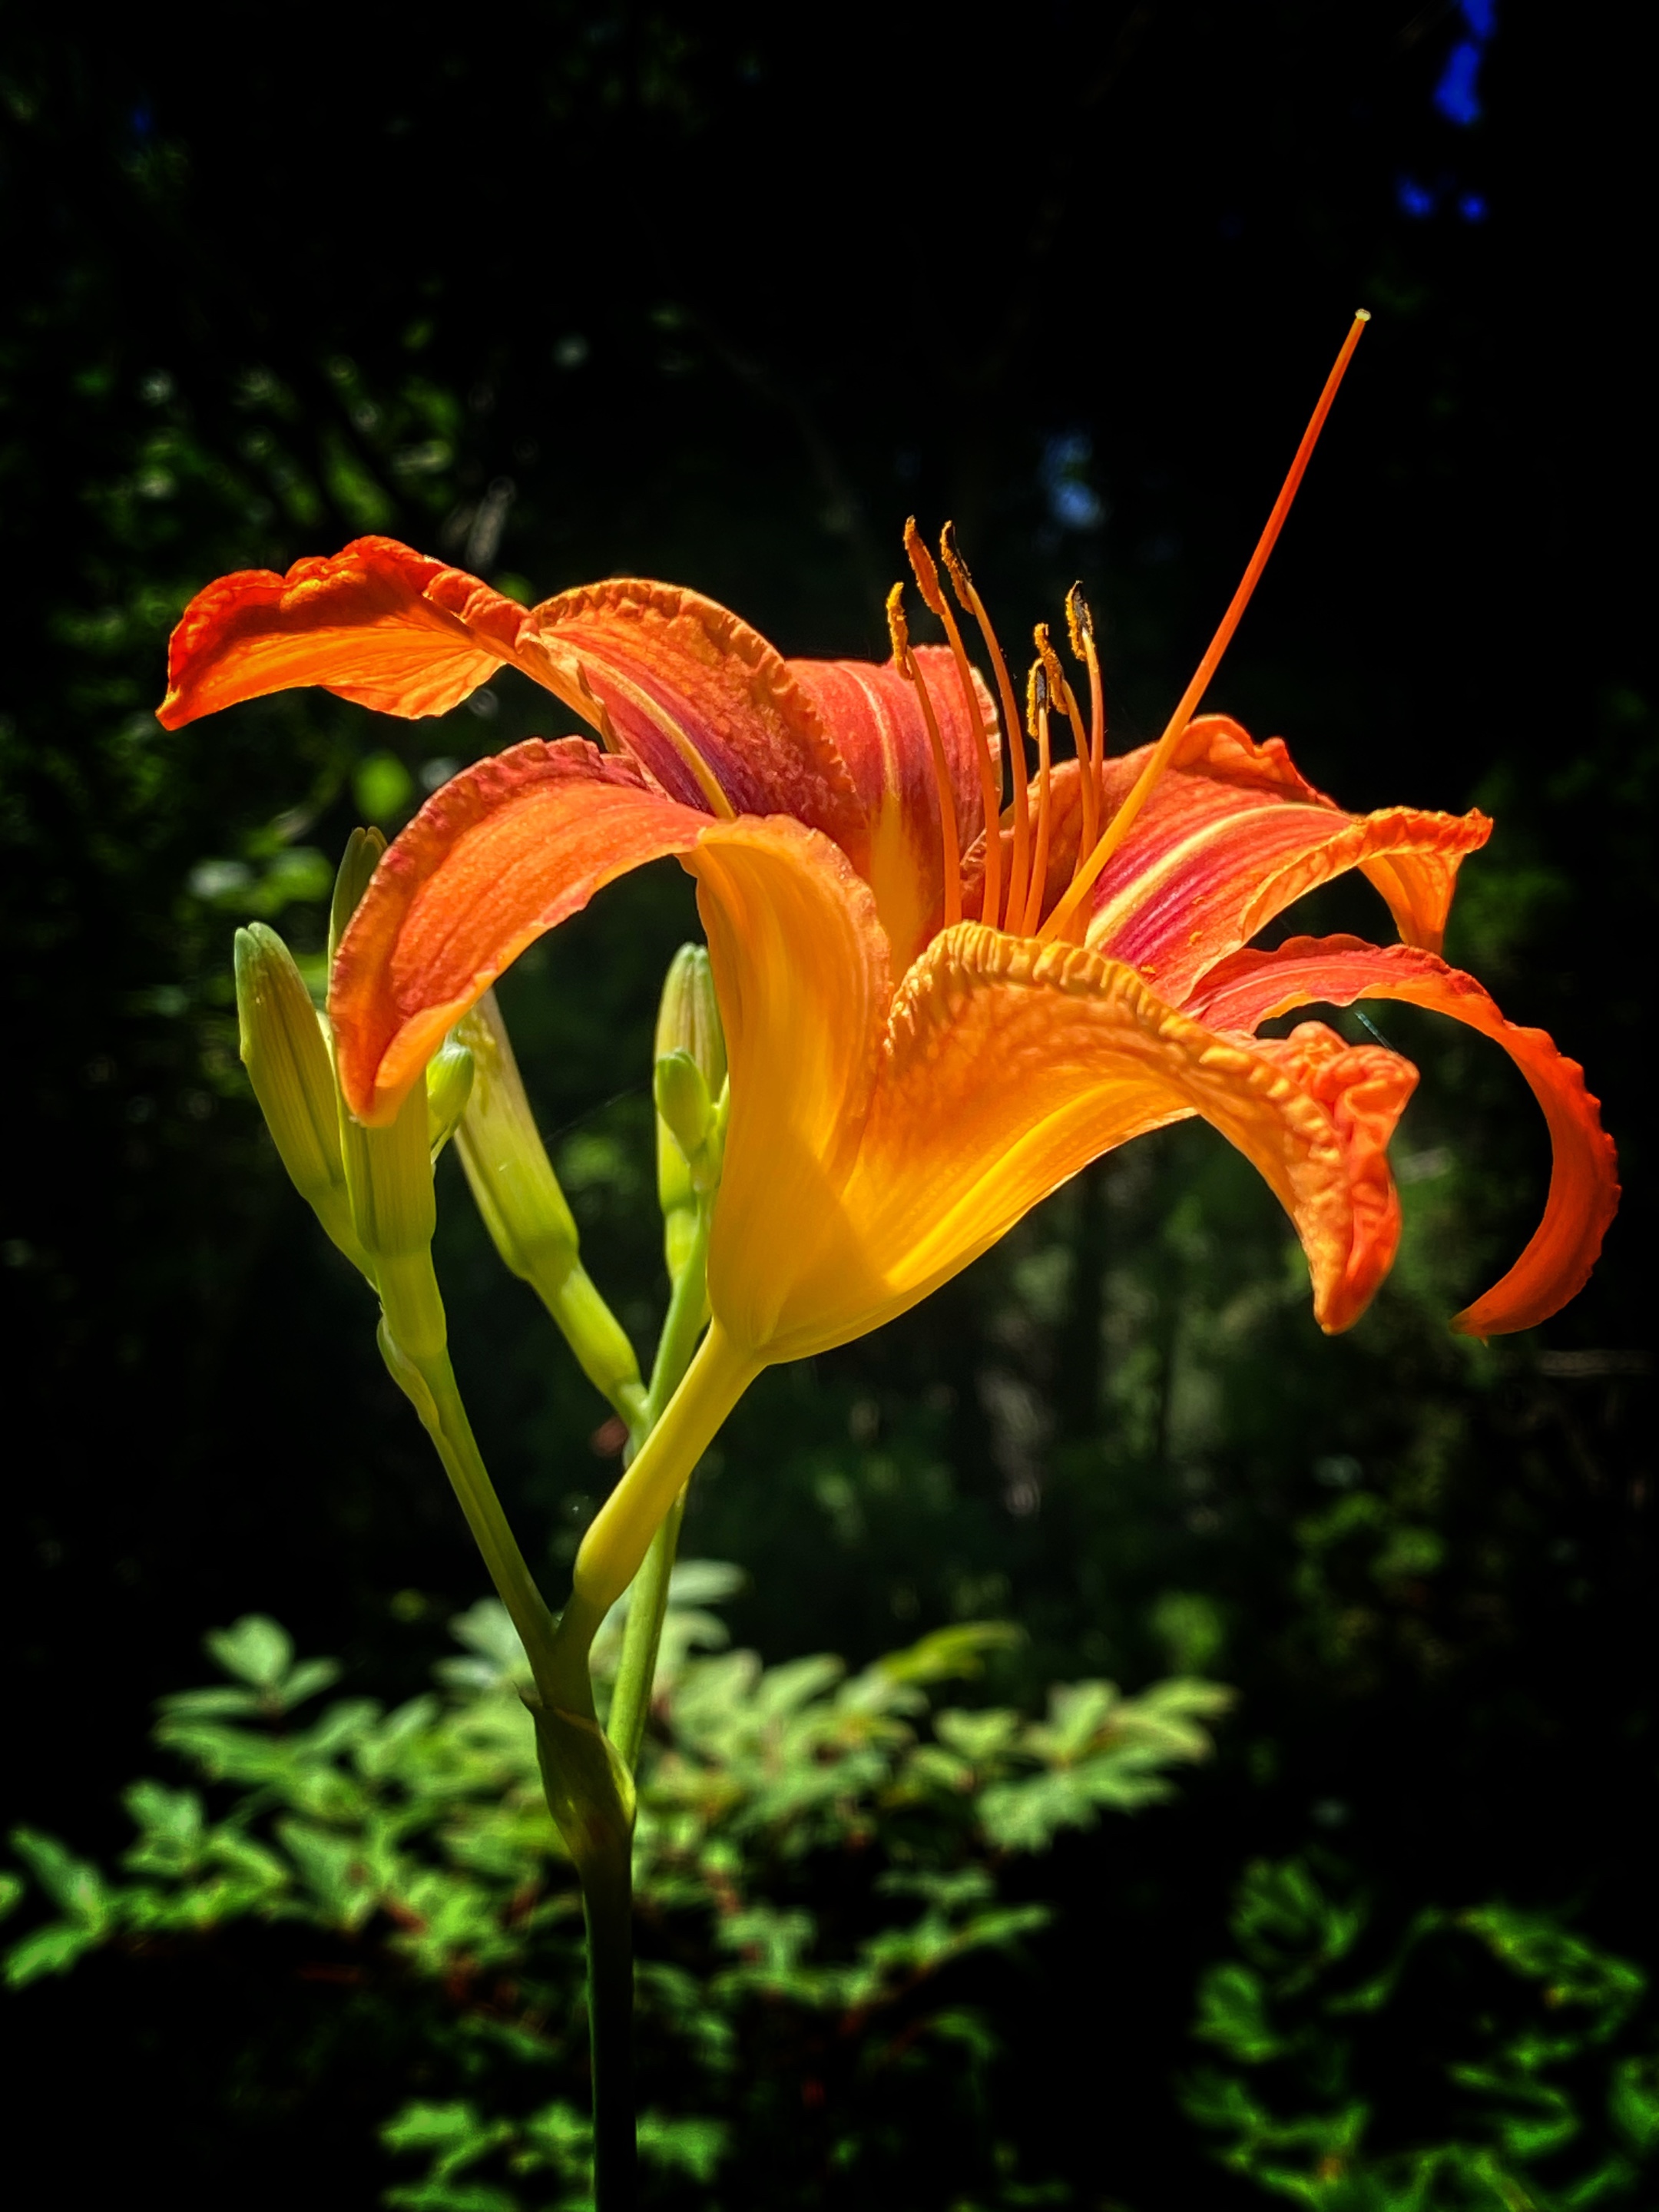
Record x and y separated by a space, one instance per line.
1118 828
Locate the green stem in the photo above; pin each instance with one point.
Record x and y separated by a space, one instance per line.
446 1421
688 1310
608 1909
636 1676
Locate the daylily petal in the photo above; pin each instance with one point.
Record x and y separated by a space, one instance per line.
1363 1089
696 694
802 971
1583 1195
878 727
378 624
1008 1066
1232 834
712 710
501 854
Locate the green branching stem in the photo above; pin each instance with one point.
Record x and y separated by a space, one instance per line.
688 1311
429 1383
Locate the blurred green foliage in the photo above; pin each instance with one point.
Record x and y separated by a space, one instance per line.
820 1866
1533 2079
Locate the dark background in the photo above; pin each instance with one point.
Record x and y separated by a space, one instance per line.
722 295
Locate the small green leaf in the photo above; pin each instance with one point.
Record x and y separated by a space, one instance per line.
74 1884
49 1951
255 1649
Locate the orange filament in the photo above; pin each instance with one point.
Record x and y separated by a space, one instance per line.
1061 694
949 844
1119 828
1081 624
963 585
990 766
1036 714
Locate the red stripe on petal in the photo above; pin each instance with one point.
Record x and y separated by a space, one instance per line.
685 682
875 717
1232 835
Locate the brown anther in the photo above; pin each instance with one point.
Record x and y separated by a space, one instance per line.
961 582
1081 623
899 631
921 564
1037 697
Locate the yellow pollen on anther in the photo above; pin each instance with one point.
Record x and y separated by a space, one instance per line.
990 778
963 585
950 842
1081 624
1118 828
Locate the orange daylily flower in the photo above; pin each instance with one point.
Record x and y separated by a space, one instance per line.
940 1000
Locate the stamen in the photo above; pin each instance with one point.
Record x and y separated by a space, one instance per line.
1036 715
1061 694
1081 624
963 585
1119 828
990 777
949 844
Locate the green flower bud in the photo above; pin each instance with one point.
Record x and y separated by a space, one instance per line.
362 856
287 1058
689 1015
690 1084
449 1086
507 1164
389 1176
683 1100
525 1210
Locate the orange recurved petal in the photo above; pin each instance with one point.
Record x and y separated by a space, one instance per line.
1008 1066
1363 1089
1232 835
873 712
507 850
802 969
378 624
1583 1194
694 693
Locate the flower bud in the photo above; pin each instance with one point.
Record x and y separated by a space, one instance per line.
362 858
507 1164
389 1176
690 1085
449 1086
525 1210
287 1059
683 1100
